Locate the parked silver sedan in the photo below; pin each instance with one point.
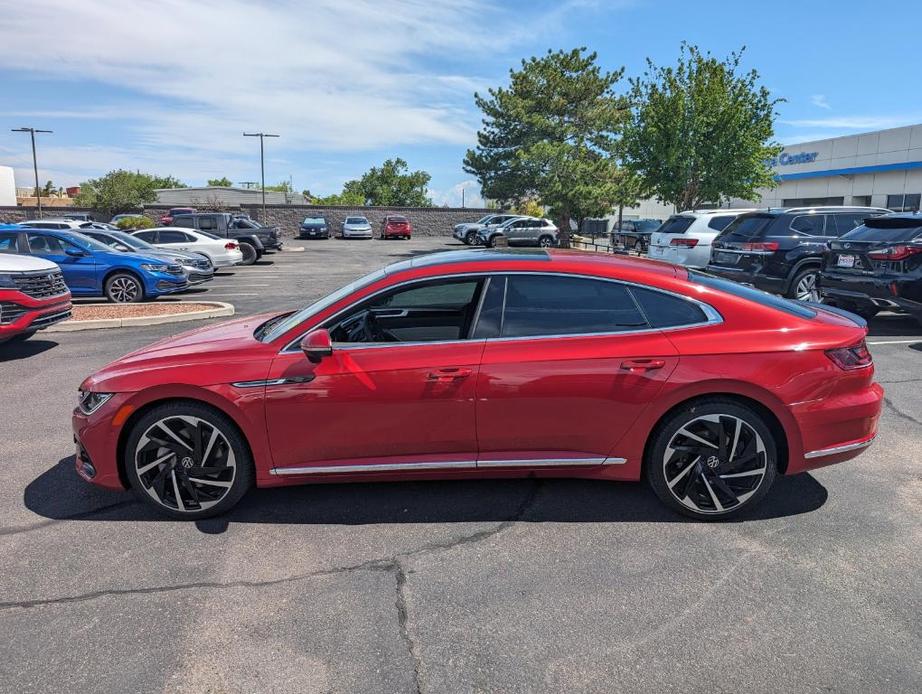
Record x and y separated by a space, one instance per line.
357 228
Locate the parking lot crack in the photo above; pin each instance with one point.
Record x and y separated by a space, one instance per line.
899 413
403 624
17 529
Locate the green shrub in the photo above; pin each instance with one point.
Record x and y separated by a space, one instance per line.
137 222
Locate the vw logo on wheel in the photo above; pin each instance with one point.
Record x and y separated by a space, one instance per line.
712 461
187 462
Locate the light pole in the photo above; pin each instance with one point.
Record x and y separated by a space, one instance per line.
262 166
38 192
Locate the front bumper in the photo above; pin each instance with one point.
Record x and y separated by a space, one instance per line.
357 234
96 443
21 313
313 233
160 283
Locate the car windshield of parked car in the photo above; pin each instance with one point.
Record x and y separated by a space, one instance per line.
298 317
748 226
131 241
314 220
397 220
676 225
242 223
356 220
887 230
85 242
795 308
647 225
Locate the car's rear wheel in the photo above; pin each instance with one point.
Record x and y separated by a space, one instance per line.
805 285
188 460
124 288
250 255
712 459
546 241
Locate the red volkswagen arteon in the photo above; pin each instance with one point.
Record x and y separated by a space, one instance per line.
491 363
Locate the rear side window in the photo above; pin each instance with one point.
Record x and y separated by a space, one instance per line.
550 305
748 226
173 237
149 236
676 225
794 308
720 223
811 224
666 310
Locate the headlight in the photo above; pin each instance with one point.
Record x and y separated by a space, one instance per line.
88 402
6 280
155 268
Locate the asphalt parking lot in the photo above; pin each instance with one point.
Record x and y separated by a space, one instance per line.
479 586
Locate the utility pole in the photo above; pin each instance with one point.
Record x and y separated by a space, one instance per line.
38 191
262 165
462 198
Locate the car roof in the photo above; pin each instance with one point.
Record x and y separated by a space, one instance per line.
537 259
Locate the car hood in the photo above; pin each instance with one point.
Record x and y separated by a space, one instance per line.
10 262
141 257
228 348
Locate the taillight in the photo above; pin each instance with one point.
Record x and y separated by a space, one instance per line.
763 246
895 252
849 358
687 243
230 246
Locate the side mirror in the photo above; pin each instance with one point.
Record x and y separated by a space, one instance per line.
316 345
75 252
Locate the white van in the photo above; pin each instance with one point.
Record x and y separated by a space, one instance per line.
685 238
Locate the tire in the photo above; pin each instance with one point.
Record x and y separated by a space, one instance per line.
728 480
805 285
250 256
170 478
124 288
491 242
470 238
545 241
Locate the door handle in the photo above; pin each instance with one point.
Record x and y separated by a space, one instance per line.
643 364
449 374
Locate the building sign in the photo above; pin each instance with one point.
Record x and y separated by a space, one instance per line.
785 159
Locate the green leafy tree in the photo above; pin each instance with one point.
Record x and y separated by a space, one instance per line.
346 199
121 190
552 135
167 182
223 182
135 222
701 131
392 185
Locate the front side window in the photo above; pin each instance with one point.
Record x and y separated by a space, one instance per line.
810 224
149 236
8 241
45 245
423 312
545 305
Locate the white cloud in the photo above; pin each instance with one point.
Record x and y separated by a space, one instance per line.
454 196
875 122
819 100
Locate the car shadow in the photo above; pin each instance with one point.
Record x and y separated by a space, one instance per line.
13 351
60 494
264 262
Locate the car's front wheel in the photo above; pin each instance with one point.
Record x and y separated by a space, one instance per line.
124 288
470 238
188 460
712 459
546 241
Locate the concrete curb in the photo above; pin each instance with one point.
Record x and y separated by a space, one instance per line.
220 309
292 249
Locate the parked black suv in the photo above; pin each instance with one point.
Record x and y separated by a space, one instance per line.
254 239
877 266
781 250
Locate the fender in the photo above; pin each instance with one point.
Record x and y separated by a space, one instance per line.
633 444
251 239
800 265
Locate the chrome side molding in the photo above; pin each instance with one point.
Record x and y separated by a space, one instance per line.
823 452
446 465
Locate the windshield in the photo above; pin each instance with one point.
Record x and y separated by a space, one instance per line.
356 220
886 230
132 241
299 317
757 295
85 241
243 223
314 220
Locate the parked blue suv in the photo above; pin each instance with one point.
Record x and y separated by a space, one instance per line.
93 269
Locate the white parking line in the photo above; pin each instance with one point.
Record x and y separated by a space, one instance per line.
896 342
242 294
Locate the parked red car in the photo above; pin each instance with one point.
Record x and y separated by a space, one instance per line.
167 219
396 226
32 295
491 363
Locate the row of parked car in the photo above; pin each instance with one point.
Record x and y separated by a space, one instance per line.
393 226
44 263
513 228
863 259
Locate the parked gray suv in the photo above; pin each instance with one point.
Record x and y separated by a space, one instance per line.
521 231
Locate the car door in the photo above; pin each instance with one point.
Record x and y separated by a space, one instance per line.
569 365
400 398
77 265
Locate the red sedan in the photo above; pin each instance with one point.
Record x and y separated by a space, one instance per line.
396 226
491 363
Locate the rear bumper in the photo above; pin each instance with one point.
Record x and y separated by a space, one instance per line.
836 428
697 257
873 292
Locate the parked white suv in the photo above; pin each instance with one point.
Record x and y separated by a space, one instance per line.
467 232
685 238
529 231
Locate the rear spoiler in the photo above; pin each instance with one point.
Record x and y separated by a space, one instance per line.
853 317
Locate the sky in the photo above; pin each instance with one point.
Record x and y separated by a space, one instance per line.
169 86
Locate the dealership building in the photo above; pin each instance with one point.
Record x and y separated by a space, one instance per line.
878 169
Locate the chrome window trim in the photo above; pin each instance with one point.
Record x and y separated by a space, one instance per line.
469 464
823 452
713 315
